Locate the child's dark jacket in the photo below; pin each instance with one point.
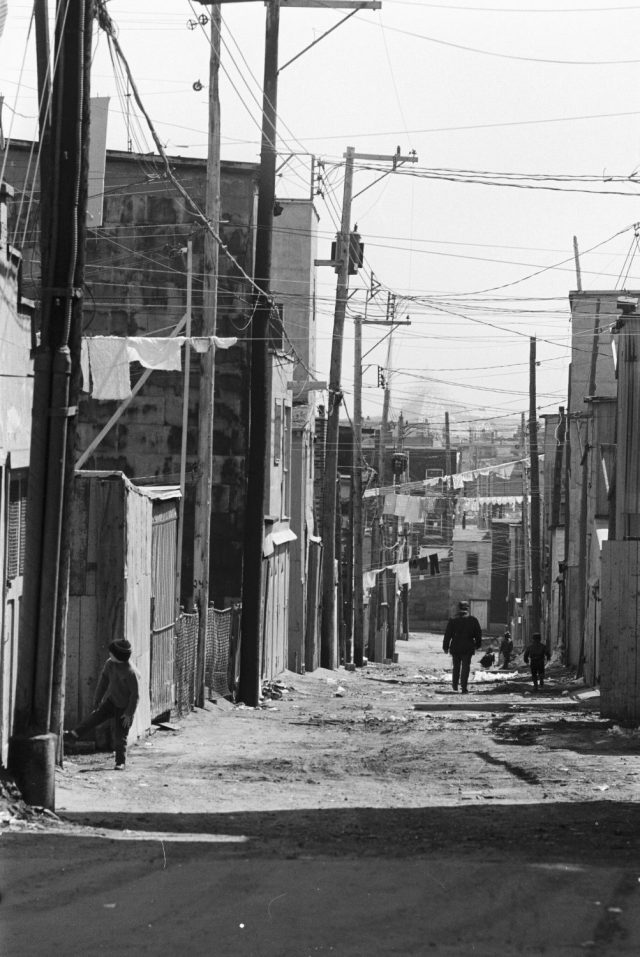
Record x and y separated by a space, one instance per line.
119 681
536 651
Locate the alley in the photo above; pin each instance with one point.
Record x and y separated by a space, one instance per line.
368 812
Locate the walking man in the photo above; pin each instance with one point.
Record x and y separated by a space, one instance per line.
463 636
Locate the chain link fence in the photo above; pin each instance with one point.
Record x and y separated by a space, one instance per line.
185 665
221 665
218 653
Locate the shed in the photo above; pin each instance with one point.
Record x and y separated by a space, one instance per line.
122 584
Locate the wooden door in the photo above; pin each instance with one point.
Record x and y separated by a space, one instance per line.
163 578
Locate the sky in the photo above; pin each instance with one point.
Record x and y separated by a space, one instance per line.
525 122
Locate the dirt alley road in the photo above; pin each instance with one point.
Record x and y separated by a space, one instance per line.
368 812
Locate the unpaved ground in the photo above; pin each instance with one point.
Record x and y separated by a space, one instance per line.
385 736
366 813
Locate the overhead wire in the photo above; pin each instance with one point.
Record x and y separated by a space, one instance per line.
507 56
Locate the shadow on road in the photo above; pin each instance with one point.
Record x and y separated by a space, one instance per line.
573 733
509 880
544 832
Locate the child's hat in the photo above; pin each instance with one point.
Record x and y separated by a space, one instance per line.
120 649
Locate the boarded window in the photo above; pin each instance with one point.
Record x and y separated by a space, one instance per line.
17 526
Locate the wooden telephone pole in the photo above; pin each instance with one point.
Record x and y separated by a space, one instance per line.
358 530
204 476
329 511
260 396
358 565
536 580
40 685
327 640
260 390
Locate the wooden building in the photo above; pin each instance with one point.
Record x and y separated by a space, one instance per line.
591 376
136 278
122 584
471 571
620 587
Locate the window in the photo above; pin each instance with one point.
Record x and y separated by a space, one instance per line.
472 564
277 432
286 460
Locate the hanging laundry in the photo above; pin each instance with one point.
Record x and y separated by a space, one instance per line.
403 573
458 480
109 367
505 471
369 581
203 343
389 507
412 513
401 505
84 366
154 352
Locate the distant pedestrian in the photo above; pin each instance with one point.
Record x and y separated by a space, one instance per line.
506 649
463 636
116 698
535 655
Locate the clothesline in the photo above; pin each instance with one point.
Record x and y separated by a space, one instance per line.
510 501
400 569
457 479
105 360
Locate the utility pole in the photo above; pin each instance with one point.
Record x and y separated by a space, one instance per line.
526 553
260 395
584 487
557 468
327 640
449 494
536 583
382 610
576 256
260 388
376 551
40 685
204 475
358 598
185 426
43 55
343 253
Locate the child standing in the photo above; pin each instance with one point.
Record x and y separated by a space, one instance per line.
506 649
116 697
536 653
